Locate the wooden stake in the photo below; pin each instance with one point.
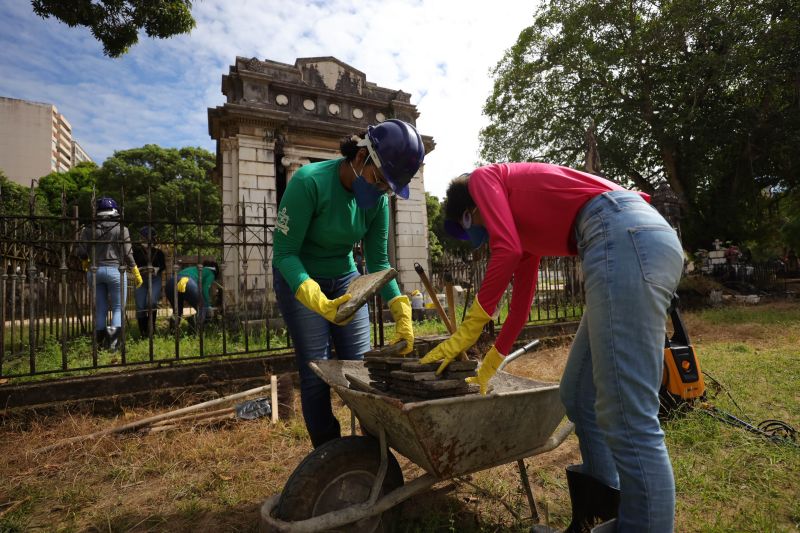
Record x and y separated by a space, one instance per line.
273 381
451 328
157 418
451 301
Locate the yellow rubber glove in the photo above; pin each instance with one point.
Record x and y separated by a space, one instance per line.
85 264
182 284
465 336
310 295
488 368
137 277
400 307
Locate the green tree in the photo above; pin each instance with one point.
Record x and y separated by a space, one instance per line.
439 241
77 184
434 211
790 231
116 23
702 95
15 199
172 185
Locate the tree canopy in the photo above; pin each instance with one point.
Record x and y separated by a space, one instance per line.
165 185
703 95
78 184
440 243
116 23
169 188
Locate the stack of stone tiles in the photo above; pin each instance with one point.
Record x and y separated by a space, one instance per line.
406 378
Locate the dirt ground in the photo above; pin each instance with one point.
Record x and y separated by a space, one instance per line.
215 478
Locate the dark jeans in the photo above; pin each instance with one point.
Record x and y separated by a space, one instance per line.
147 302
191 296
312 335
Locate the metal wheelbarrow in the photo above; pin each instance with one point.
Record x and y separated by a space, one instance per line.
353 483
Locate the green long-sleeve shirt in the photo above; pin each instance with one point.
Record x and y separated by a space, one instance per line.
319 222
205 286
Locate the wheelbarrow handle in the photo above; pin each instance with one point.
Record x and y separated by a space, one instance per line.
516 353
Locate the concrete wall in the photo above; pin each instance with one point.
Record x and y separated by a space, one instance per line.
26 139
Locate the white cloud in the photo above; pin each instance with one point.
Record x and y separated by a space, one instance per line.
439 51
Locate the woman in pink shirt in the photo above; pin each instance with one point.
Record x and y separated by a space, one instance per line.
632 261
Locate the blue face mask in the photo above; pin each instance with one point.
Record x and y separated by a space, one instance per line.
367 195
477 235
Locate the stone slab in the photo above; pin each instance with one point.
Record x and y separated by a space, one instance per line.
439 384
362 289
385 360
455 366
402 375
385 351
433 394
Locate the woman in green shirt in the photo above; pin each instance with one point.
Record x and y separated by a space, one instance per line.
328 207
193 288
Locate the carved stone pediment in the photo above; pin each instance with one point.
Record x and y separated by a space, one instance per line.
332 74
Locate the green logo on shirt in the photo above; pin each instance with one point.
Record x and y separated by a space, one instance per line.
282 223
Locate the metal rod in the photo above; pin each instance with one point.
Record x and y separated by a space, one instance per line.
526 484
516 353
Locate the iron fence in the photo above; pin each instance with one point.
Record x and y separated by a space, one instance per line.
766 277
559 287
47 295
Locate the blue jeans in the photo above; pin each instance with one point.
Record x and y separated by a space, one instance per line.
632 262
312 335
191 296
107 295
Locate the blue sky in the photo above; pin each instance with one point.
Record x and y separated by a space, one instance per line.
439 51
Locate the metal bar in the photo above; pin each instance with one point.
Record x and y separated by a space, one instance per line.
176 319
244 302
3 278
152 306
526 484
200 317
516 353
31 315
93 286
381 474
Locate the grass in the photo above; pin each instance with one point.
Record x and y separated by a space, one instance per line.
137 350
50 361
214 479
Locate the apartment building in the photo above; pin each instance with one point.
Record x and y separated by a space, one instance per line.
35 140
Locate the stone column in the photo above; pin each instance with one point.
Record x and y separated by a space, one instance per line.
411 236
248 184
292 165
229 264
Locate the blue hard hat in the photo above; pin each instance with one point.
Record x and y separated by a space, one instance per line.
397 150
148 232
106 204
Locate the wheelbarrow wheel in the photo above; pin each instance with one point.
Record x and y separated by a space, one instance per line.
337 475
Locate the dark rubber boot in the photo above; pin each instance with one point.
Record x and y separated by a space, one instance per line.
593 502
144 325
113 338
320 438
100 339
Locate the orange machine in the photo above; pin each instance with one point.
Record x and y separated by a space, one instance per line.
683 379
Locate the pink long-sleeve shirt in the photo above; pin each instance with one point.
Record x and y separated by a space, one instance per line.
529 210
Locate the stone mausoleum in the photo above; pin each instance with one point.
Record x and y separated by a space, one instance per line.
278 117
